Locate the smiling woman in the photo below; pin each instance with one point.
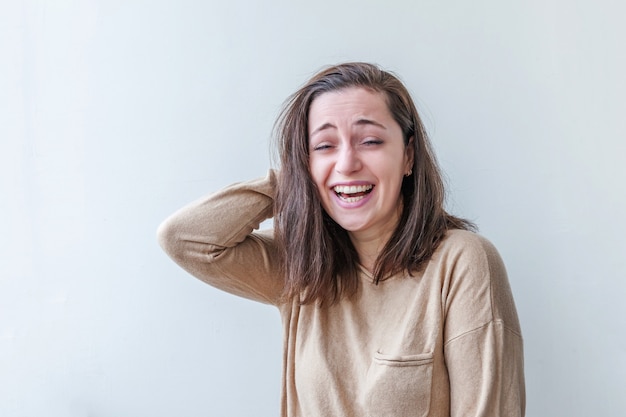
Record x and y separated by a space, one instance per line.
390 306
357 161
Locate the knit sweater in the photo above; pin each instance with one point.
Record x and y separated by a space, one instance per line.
444 341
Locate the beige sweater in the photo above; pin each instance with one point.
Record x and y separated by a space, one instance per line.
444 342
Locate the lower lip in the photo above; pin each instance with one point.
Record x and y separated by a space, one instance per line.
356 204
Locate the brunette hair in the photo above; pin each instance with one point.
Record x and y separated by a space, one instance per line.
319 261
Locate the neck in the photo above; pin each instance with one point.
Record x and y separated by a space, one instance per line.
369 243
368 246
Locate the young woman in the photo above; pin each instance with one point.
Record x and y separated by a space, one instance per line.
390 306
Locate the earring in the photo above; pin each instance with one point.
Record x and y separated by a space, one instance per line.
409 173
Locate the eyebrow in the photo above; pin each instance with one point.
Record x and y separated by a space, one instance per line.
359 122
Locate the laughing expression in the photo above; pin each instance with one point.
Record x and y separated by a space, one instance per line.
357 159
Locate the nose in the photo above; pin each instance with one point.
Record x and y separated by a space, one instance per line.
348 161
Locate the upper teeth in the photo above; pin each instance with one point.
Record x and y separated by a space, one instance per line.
352 189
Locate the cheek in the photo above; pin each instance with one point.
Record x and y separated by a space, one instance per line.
319 174
316 170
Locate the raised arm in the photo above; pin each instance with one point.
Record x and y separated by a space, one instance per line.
214 240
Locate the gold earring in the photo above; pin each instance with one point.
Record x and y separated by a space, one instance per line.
409 173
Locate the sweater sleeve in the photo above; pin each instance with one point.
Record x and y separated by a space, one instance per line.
483 343
215 240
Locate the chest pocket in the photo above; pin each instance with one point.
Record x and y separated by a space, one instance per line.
398 385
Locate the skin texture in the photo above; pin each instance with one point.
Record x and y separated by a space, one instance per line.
355 141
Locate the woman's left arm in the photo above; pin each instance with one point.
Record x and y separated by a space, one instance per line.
483 341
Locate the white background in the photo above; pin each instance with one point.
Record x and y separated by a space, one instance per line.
115 113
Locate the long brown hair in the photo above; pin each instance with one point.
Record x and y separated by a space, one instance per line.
319 261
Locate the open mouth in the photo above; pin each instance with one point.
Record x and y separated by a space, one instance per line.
352 193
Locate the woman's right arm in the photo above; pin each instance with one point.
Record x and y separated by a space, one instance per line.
214 240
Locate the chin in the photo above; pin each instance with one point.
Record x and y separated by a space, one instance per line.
352 227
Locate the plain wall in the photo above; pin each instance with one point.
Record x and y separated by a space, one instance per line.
115 113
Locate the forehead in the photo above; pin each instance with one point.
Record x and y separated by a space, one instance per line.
348 104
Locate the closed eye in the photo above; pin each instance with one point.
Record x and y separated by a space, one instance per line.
371 142
321 147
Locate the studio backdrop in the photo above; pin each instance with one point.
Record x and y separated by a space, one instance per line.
114 113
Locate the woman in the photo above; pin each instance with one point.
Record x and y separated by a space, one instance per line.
390 306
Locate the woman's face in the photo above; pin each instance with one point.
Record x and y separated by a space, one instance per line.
358 160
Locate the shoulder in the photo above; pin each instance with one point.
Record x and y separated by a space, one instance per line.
465 256
475 274
466 239
469 254
462 245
